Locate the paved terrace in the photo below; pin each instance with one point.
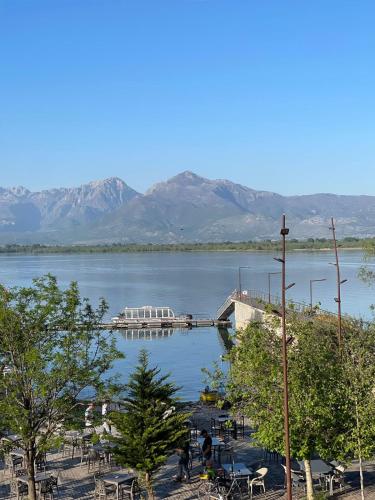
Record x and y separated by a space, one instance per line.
78 483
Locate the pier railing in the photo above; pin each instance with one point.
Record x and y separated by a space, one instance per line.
227 307
260 300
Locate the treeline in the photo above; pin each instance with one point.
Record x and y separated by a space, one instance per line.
266 245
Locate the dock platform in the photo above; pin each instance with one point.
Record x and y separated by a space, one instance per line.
170 323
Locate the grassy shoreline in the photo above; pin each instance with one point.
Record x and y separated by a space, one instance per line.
321 245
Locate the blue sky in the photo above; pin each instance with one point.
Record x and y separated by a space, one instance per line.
277 94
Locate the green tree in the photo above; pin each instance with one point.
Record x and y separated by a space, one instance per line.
149 426
365 272
316 406
53 352
359 363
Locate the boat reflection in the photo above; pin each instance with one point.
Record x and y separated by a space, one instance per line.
146 333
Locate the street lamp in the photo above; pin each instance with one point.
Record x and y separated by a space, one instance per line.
284 231
311 282
269 285
239 279
338 279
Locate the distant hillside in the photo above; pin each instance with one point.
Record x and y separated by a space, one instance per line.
186 208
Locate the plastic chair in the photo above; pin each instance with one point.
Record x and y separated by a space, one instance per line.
93 458
216 428
84 451
240 422
336 478
12 463
55 480
46 489
17 489
257 481
130 490
41 462
298 478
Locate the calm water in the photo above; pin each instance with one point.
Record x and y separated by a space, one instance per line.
194 283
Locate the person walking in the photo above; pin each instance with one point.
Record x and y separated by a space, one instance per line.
183 462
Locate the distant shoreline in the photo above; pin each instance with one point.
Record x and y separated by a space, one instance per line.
311 245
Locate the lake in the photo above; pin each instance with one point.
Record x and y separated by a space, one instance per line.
195 283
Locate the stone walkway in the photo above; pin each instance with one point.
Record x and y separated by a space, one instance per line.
77 483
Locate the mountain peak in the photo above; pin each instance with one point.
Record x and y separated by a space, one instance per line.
187 177
19 191
110 181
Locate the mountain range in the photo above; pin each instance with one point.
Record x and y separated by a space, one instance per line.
185 208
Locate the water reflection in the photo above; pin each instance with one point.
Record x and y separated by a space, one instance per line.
147 334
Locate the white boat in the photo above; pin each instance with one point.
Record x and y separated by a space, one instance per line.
145 314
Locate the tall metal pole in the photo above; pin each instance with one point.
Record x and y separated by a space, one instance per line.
284 231
339 282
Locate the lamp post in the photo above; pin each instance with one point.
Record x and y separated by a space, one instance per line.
269 285
284 231
338 279
239 279
311 282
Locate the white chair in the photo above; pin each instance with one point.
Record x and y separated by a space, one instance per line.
337 477
298 478
258 480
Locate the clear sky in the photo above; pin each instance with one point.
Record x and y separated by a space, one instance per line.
274 94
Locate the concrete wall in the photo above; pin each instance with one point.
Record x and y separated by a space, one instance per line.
244 313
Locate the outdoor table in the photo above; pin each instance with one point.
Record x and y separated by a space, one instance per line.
73 434
237 469
13 438
216 442
103 448
223 418
18 452
320 468
73 437
39 477
118 478
108 444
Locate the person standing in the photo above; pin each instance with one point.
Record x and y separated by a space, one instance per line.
183 462
206 446
89 415
106 425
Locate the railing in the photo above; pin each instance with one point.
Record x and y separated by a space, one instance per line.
260 300
226 304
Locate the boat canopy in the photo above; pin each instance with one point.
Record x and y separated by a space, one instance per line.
147 312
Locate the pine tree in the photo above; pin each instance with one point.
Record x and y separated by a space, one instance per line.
150 427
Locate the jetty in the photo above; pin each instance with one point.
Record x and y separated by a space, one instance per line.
171 323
